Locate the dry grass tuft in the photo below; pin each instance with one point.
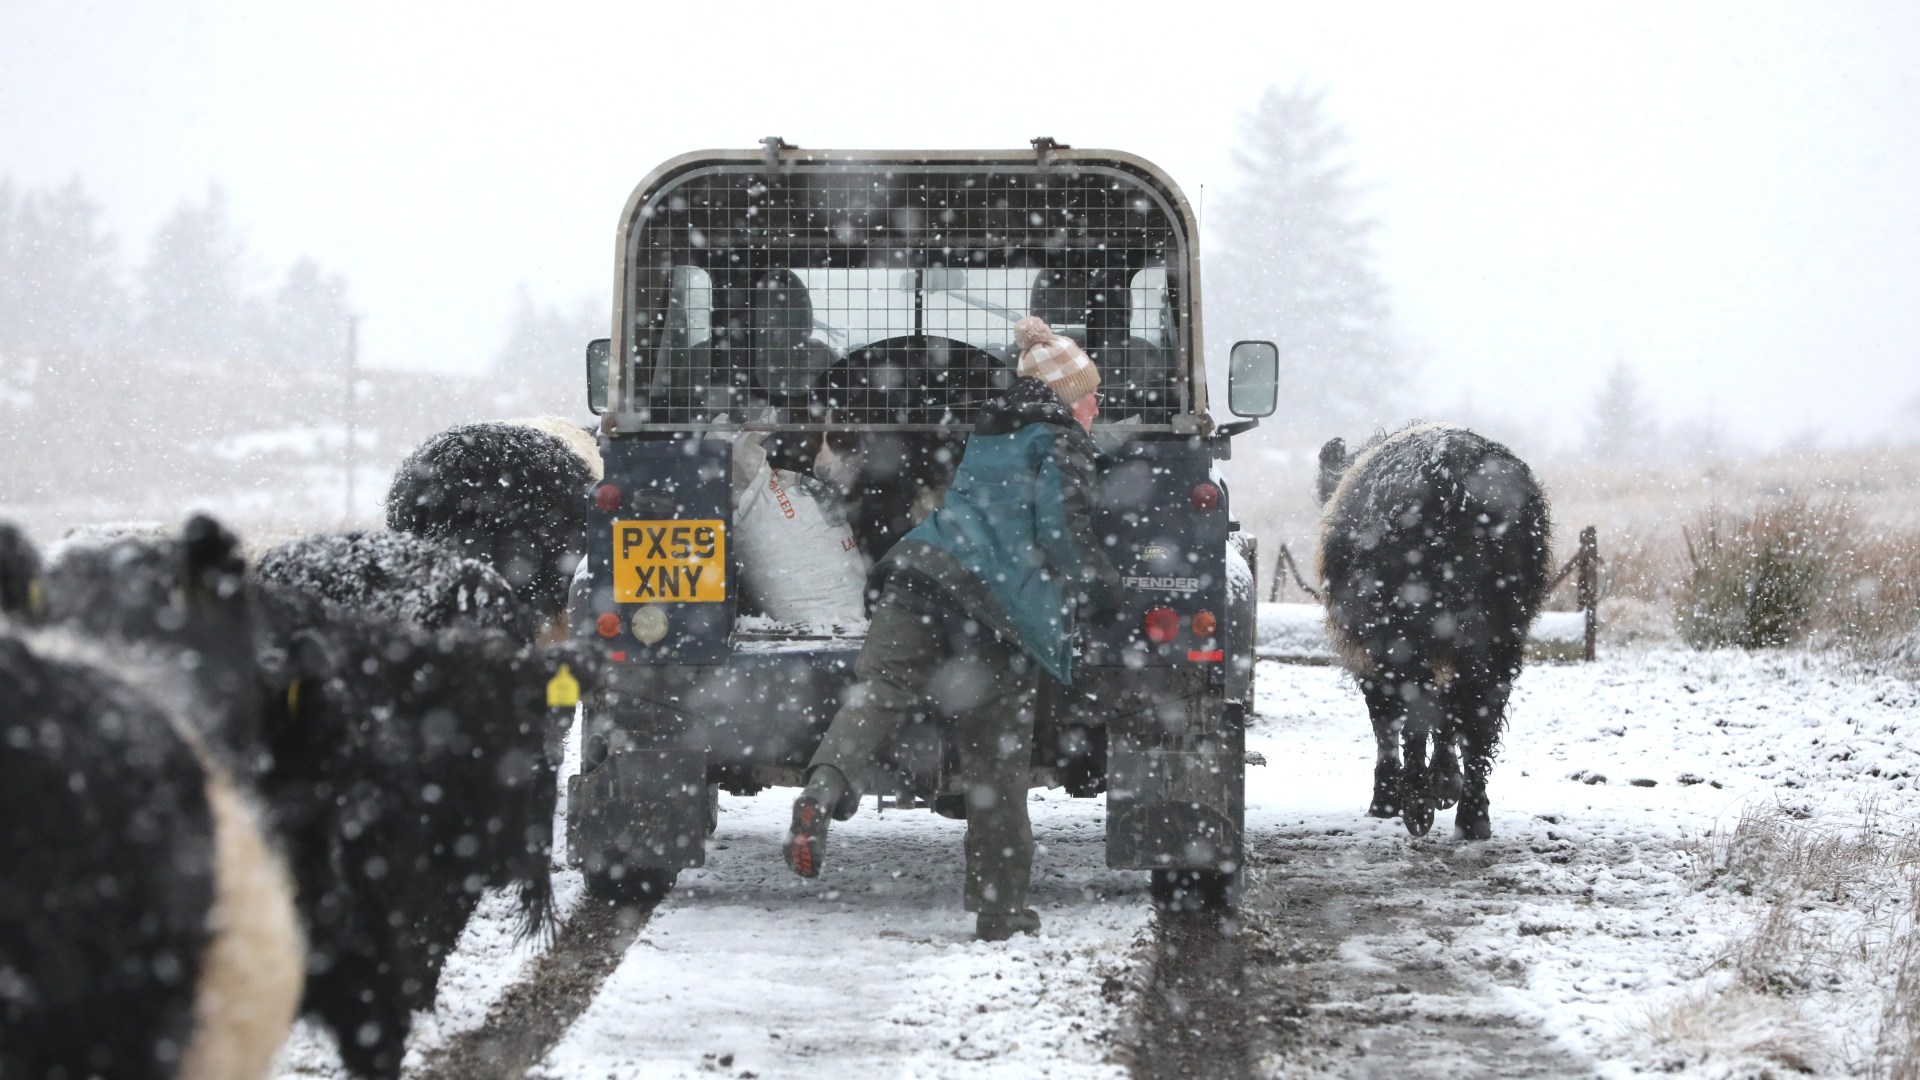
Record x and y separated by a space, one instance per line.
1734 1025
1756 579
1840 909
1873 604
1799 569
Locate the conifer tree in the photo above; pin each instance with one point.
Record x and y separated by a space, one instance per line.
1291 261
546 345
1620 423
194 284
60 284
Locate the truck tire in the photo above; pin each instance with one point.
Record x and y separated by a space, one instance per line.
1195 890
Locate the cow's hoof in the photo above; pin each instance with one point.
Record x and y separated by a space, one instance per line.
1472 830
1384 807
1447 786
1418 817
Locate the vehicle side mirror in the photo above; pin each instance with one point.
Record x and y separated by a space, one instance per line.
1253 378
599 351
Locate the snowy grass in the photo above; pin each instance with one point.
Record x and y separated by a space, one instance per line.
1798 567
1839 892
1722 1031
1651 812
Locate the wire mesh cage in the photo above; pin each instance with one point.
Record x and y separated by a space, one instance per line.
883 295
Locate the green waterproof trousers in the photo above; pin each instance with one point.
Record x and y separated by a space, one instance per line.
921 655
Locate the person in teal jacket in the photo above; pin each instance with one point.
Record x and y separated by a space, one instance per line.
970 606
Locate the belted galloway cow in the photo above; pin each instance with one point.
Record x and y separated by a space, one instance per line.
1434 559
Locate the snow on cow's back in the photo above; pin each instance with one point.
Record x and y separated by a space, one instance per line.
397 576
509 495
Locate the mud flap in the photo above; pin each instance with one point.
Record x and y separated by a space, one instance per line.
1176 785
645 809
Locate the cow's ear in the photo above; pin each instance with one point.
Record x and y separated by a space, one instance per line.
299 736
212 557
1334 463
585 663
310 657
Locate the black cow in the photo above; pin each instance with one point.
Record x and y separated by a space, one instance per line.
147 926
414 771
403 770
1434 559
399 578
510 495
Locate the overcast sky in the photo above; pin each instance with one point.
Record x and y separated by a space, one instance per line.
1725 196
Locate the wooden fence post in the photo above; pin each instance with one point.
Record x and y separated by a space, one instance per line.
1590 585
1250 550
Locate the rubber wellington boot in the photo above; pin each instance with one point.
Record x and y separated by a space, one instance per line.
826 792
806 844
999 926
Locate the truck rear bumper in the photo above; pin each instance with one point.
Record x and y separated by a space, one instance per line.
1173 771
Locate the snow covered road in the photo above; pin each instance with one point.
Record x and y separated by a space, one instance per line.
1540 952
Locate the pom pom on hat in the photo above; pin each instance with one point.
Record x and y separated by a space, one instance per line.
1031 331
1054 359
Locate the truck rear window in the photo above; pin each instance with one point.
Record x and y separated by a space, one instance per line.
841 297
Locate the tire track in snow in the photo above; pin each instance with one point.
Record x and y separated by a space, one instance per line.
534 1014
1352 970
1343 959
1340 964
1192 1018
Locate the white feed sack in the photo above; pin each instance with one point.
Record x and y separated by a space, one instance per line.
798 559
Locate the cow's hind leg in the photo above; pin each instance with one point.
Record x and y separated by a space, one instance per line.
1444 778
1383 705
1416 778
1480 721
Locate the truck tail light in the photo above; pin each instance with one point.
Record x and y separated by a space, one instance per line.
1162 625
607 497
1205 496
1204 624
607 625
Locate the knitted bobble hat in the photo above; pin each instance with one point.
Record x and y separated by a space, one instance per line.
1054 360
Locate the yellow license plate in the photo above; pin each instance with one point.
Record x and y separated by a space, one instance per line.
684 561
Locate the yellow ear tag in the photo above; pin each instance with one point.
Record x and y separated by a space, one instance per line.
293 698
563 690
36 598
